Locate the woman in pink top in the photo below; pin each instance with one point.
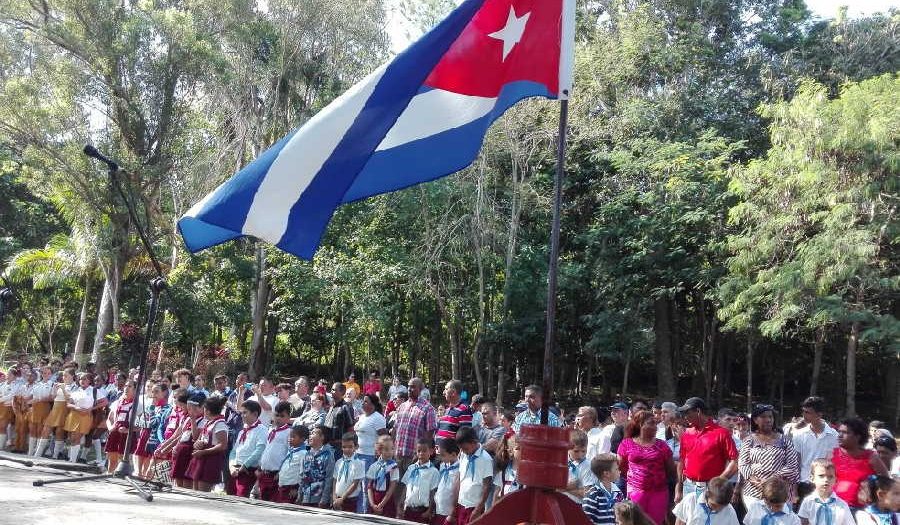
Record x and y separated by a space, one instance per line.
646 463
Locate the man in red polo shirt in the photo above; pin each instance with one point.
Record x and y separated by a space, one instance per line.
707 450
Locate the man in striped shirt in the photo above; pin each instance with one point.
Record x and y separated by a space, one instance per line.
458 414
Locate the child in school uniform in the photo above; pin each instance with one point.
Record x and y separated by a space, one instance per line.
823 506
599 501
444 501
210 447
276 450
180 444
881 495
773 508
291 470
421 481
711 507
476 475
382 479
117 423
318 471
581 479
248 449
348 475
506 479
54 425
41 404
80 418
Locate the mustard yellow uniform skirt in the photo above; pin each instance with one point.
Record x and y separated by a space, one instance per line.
7 415
79 422
57 417
39 412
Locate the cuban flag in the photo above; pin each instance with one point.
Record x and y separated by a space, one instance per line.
420 117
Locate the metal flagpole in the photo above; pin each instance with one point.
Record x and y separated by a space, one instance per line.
553 266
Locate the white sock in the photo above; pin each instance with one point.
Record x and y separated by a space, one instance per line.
32 444
98 450
85 449
58 447
73 453
2 442
41 447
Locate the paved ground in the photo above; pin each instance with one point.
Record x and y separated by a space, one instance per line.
89 502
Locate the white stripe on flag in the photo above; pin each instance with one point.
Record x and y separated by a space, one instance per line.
302 158
435 111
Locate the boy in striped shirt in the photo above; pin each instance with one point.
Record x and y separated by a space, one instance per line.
599 501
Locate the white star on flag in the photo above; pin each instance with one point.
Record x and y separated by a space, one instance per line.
511 34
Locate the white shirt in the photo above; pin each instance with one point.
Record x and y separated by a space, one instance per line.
381 473
690 512
291 471
367 431
276 448
809 510
8 391
83 399
583 474
418 490
864 517
507 480
758 511
595 437
345 476
41 391
60 394
604 440
471 479
425 394
266 415
443 498
248 452
812 446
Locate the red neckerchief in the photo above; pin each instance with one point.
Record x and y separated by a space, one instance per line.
246 430
210 424
275 431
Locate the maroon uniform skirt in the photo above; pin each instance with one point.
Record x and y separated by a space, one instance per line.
415 515
181 458
115 442
390 509
439 520
349 505
244 481
207 469
463 514
287 494
141 448
267 485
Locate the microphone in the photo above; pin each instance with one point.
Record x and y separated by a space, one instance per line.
92 152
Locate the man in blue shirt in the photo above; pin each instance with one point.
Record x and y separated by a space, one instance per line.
534 398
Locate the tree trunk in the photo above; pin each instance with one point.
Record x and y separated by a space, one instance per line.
78 350
259 307
818 350
852 345
501 376
663 349
626 373
108 312
271 337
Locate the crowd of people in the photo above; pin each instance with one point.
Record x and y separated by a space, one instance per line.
393 450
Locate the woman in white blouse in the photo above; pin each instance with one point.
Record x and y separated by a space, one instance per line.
369 426
39 408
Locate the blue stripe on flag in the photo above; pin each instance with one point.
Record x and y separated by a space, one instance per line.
222 217
438 155
401 81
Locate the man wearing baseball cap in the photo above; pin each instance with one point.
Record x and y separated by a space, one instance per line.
619 412
707 450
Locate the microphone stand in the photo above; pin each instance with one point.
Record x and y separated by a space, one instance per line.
125 470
